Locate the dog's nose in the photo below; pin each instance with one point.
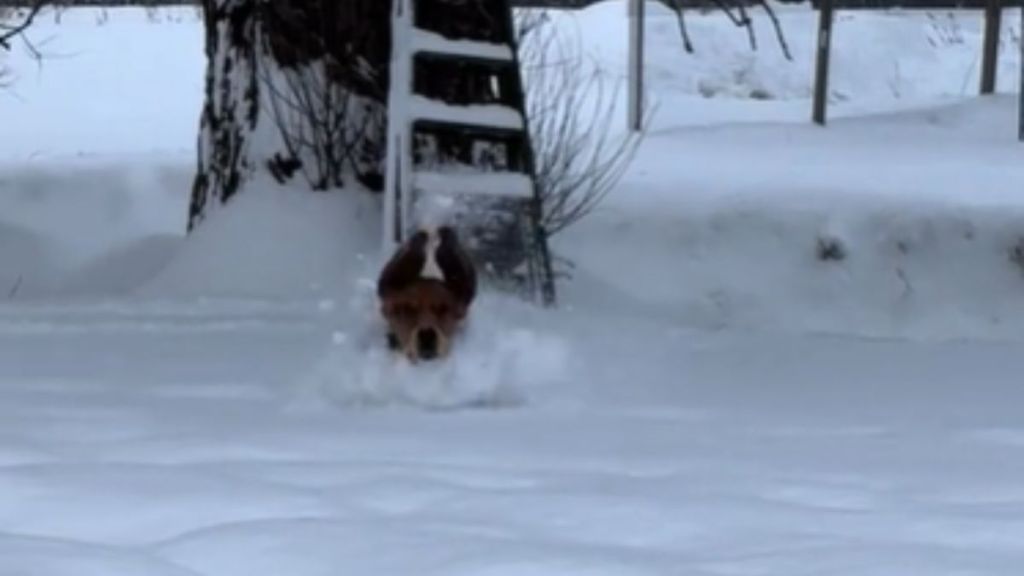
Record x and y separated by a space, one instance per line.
426 343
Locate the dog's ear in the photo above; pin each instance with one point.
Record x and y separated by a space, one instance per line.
403 269
456 265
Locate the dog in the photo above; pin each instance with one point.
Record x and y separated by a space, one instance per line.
425 292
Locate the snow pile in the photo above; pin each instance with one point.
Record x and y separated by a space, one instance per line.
276 242
89 213
121 270
28 263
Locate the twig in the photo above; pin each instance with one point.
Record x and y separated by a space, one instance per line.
683 32
777 25
14 289
8 32
740 17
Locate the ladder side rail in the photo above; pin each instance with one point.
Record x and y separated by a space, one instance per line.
397 176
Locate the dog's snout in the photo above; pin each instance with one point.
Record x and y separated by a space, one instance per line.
427 343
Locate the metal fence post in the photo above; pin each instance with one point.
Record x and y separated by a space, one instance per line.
636 65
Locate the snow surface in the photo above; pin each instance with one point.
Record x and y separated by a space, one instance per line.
456 182
489 115
426 41
224 406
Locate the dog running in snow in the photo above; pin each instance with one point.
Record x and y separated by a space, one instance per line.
425 293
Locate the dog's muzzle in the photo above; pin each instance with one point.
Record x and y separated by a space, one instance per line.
427 344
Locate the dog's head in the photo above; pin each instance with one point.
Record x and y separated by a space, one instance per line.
423 318
426 290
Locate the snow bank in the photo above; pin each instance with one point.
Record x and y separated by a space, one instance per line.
273 241
28 263
803 229
89 212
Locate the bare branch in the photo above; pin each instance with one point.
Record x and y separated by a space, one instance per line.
323 124
9 32
737 13
779 35
571 104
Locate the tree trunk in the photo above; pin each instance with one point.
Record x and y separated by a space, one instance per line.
232 110
249 42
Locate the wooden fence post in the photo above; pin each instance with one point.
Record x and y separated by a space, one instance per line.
825 19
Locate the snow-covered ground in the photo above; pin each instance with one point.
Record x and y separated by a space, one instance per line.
712 398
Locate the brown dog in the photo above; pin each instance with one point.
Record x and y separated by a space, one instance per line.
426 290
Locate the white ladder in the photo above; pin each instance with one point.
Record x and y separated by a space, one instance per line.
427 114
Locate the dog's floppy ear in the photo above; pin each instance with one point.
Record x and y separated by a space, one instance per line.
403 269
459 272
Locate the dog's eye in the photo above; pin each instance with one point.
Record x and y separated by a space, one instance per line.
405 311
442 309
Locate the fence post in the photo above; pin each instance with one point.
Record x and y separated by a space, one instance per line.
825 19
1020 89
636 65
990 54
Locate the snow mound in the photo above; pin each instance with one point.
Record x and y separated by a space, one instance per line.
28 263
493 363
124 268
276 242
90 223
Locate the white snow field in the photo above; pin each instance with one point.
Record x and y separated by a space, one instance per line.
712 398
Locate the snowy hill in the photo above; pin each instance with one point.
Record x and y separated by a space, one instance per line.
223 406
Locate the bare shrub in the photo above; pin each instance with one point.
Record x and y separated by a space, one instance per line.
324 124
571 104
314 117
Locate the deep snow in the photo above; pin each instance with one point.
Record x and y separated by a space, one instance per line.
222 406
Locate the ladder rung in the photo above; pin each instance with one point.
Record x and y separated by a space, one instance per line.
467 130
503 184
483 115
425 41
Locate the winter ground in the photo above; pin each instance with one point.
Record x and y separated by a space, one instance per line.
711 398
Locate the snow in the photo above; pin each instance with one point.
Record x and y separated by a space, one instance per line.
928 224
710 398
457 182
273 245
426 41
487 115
72 102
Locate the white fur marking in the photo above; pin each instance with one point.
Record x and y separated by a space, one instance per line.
431 269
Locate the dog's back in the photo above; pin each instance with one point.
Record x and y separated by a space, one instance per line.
436 254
